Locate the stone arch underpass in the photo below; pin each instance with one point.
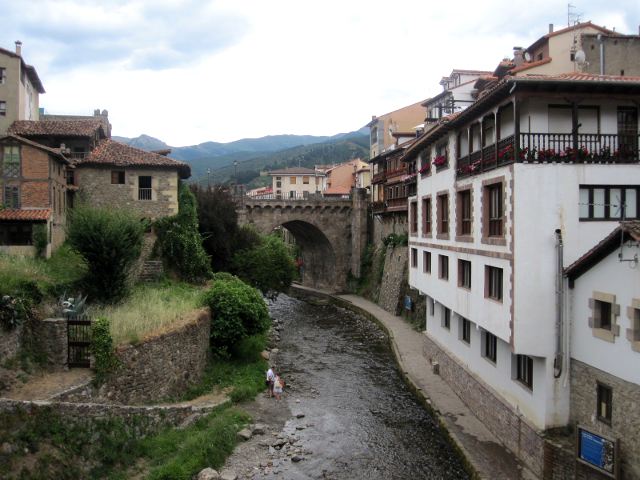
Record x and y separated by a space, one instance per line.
331 233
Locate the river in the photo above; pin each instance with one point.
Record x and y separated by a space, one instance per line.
360 419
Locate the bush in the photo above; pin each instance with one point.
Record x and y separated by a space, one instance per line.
40 239
102 349
268 266
181 243
110 241
395 240
237 311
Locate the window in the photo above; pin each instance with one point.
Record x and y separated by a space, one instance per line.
490 347
16 233
3 108
278 182
426 216
432 307
443 214
117 177
426 262
464 274
413 215
443 267
11 161
605 403
3 75
608 202
305 180
11 196
292 180
464 212
602 314
633 333
465 330
414 258
493 283
144 188
524 370
292 194
446 317
494 206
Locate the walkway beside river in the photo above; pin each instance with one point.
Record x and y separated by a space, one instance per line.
489 458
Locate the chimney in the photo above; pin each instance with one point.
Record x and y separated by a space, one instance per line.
18 48
551 28
518 56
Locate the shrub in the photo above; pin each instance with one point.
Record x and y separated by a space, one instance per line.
110 241
102 349
40 239
395 240
268 266
181 243
237 311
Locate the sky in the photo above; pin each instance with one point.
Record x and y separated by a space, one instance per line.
189 71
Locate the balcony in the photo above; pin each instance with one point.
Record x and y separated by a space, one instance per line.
379 177
551 147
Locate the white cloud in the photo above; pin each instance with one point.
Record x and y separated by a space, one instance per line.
190 71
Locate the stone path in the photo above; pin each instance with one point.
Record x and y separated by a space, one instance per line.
485 453
47 385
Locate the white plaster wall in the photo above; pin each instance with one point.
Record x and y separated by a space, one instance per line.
299 187
621 279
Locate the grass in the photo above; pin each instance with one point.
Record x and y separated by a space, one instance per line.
149 308
111 448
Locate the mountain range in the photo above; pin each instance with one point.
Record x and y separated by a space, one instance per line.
245 158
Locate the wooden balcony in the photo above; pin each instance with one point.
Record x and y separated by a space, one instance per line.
551 148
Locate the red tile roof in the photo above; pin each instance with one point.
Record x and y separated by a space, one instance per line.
26 141
581 77
67 128
110 152
16 214
527 66
293 171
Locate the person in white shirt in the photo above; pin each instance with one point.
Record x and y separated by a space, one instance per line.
270 380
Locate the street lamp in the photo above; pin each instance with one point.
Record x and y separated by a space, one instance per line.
235 166
208 179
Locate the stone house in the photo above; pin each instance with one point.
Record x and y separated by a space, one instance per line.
34 192
116 175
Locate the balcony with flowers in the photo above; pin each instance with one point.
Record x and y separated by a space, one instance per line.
551 148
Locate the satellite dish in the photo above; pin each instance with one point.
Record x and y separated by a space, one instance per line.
527 56
580 57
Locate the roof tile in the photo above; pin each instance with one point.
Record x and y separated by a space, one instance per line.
69 128
39 214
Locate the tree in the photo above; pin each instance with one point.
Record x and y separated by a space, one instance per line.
237 312
110 241
268 266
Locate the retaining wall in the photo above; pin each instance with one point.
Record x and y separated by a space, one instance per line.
10 342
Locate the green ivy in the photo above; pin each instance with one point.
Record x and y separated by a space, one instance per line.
105 360
40 238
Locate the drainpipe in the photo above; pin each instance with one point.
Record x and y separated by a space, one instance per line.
601 41
557 362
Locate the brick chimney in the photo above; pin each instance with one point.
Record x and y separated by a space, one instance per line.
18 48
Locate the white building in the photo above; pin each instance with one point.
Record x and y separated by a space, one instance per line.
533 163
297 182
604 312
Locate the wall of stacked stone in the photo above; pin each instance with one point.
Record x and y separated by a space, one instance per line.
512 430
144 419
10 342
51 338
161 365
625 416
393 278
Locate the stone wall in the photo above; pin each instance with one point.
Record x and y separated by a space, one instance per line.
144 419
512 430
625 415
51 338
95 183
159 366
10 343
393 278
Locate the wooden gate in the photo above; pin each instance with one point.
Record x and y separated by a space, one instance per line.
78 340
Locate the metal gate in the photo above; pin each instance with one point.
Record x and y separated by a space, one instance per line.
78 340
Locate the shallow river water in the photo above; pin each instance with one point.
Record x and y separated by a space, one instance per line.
360 419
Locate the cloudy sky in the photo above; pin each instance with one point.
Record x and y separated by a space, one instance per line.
189 71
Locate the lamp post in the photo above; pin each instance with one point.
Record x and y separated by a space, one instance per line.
208 179
235 166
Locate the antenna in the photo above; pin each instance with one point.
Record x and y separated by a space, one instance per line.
572 16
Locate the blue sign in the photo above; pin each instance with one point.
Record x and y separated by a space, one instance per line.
408 304
596 451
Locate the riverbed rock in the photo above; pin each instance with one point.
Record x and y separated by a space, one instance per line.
228 475
258 429
296 458
264 354
274 351
299 415
245 434
208 474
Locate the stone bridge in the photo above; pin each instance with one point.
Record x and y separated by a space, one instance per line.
331 233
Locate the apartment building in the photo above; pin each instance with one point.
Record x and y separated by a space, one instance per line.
511 191
20 88
385 128
297 182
